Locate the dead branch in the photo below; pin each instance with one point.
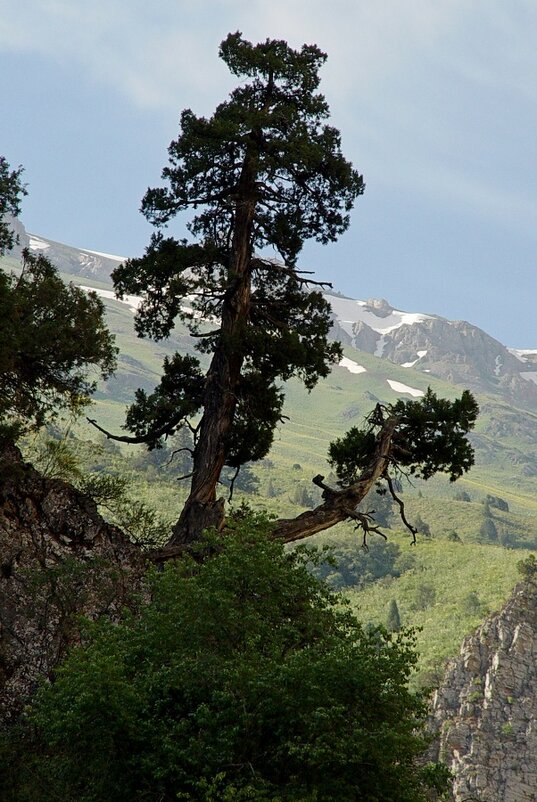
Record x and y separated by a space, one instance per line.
338 504
412 529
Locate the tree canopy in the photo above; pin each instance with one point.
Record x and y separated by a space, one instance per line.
52 334
241 679
263 174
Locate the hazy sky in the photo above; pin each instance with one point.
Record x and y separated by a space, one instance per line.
436 101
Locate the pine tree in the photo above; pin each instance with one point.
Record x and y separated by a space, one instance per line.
488 531
264 171
393 623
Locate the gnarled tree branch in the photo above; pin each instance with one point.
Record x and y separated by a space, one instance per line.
338 504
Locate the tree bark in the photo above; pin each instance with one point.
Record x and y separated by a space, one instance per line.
339 504
202 509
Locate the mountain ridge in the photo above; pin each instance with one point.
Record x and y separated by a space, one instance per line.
453 350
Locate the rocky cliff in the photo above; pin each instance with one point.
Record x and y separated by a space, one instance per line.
486 708
58 560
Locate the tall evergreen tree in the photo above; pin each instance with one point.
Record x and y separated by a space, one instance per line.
264 172
393 622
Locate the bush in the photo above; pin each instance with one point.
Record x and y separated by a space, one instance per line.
488 531
242 679
352 567
425 597
528 568
497 502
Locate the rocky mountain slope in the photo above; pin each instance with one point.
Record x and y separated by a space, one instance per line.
75 261
455 351
486 707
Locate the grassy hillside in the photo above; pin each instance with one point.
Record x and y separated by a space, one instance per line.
443 585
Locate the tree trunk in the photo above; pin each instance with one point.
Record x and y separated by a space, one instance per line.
202 509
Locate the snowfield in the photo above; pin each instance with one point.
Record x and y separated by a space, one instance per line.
37 244
351 366
399 387
132 301
350 312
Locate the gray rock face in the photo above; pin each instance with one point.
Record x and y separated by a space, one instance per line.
58 560
486 709
67 259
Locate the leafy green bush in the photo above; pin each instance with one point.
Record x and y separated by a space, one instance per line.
352 567
242 679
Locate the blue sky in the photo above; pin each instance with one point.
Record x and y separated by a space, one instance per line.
436 101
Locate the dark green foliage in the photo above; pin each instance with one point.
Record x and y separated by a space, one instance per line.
241 680
350 454
178 396
429 437
528 568
11 191
454 537
497 502
350 567
264 171
488 531
393 623
51 334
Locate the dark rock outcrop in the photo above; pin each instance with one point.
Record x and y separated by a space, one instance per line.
58 560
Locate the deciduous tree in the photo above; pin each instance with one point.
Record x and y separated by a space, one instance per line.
242 679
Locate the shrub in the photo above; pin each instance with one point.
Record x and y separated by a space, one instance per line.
242 679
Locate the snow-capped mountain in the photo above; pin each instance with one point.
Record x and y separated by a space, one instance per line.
450 349
454 350
74 261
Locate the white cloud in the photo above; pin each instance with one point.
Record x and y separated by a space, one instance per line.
154 52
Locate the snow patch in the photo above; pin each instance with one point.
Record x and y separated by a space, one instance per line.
350 312
132 301
399 387
420 354
351 365
530 376
37 244
498 365
106 255
381 345
522 354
